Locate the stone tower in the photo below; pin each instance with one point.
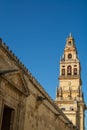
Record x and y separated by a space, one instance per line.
69 96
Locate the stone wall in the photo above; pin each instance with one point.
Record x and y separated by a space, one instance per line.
28 104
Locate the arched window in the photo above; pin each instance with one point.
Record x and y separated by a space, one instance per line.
69 56
63 71
75 71
69 70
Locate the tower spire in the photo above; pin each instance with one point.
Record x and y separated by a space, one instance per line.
70 34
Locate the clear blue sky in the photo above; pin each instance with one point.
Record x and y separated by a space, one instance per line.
36 31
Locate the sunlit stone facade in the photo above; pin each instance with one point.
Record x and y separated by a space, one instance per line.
25 105
69 96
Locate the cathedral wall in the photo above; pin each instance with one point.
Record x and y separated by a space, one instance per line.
41 115
11 101
29 112
24 104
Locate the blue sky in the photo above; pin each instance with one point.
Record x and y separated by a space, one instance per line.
36 31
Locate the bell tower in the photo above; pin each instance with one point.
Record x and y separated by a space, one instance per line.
69 96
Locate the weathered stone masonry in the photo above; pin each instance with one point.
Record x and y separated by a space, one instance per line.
24 104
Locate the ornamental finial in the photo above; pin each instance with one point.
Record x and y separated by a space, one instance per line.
70 34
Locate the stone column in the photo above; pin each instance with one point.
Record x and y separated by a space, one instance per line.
81 117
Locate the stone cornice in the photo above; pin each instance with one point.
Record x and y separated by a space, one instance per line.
69 77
